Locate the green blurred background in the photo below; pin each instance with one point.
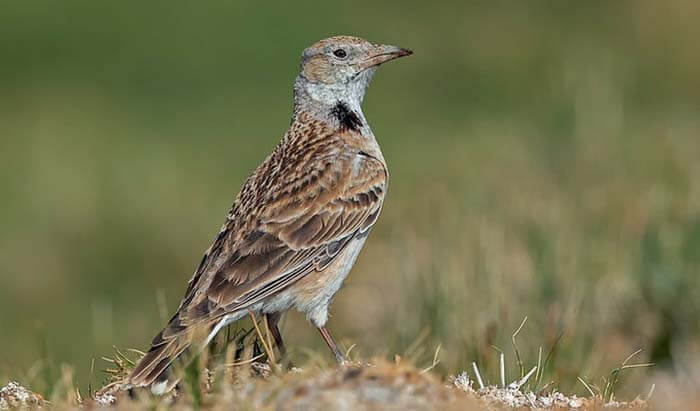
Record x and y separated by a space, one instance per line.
544 162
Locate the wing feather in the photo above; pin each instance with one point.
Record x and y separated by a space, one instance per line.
300 232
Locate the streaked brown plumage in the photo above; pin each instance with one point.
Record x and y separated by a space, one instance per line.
300 219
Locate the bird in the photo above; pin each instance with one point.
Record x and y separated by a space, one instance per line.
299 221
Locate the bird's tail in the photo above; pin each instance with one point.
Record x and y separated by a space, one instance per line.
172 350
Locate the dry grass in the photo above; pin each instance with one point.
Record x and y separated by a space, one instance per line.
238 371
360 386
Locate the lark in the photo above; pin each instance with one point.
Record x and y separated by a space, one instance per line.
299 221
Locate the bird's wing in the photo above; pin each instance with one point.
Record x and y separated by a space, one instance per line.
300 230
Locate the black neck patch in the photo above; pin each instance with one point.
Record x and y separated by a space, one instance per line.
347 118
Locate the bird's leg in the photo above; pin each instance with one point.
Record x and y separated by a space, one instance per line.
332 345
272 320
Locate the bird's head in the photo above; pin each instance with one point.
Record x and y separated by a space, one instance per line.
343 66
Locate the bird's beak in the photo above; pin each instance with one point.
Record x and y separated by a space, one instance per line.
382 54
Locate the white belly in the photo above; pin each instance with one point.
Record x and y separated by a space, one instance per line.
316 307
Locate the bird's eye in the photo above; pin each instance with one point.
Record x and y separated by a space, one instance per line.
340 53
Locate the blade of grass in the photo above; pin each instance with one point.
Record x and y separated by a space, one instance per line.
269 339
515 347
548 357
478 376
435 361
588 387
609 391
268 351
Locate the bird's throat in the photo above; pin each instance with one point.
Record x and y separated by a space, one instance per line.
334 104
346 117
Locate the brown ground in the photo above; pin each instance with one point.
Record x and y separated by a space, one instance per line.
382 386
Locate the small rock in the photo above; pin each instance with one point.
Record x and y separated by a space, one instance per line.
14 395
